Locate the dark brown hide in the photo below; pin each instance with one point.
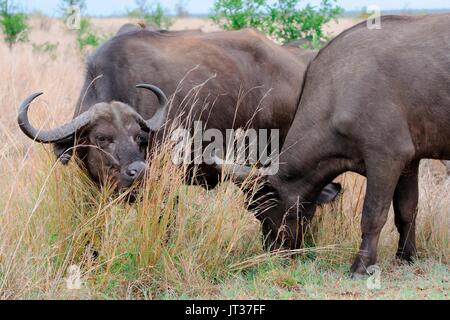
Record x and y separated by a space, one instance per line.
248 82
375 102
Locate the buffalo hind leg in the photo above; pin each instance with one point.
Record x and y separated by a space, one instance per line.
405 207
382 178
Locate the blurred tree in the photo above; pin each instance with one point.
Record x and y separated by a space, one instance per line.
181 8
142 5
13 23
283 20
153 14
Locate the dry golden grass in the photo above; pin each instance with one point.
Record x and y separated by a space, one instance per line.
178 241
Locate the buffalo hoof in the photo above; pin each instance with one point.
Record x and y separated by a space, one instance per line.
406 256
359 269
357 276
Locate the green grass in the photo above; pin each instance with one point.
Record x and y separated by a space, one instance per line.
204 245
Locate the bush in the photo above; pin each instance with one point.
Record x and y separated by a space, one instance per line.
281 20
364 14
87 37
158 15
49 48
154 14
14 24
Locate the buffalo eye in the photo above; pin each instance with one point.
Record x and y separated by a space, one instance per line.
141 139
102 140
138 139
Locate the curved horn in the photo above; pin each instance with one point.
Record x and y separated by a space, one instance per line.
51 136
157 121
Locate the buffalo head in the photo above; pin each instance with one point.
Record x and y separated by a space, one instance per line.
112 138
284 217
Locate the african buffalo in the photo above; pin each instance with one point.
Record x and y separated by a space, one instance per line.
235 70
375 102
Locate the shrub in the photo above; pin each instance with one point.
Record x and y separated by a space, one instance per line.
154 14
158 15
87 37
84 35
49 48
13 23
282 20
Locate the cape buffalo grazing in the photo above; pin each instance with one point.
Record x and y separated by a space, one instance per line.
375 102
236 71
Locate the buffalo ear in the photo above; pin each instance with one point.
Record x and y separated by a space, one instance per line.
329 193
63 150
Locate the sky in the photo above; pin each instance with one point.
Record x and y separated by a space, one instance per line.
117 7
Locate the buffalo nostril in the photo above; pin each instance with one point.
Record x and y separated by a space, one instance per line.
135 170
132 173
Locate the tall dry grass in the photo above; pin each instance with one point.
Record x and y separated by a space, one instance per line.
177 241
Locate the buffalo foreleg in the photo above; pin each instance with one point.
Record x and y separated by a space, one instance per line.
382 178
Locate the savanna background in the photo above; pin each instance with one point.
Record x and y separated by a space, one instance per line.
177 242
